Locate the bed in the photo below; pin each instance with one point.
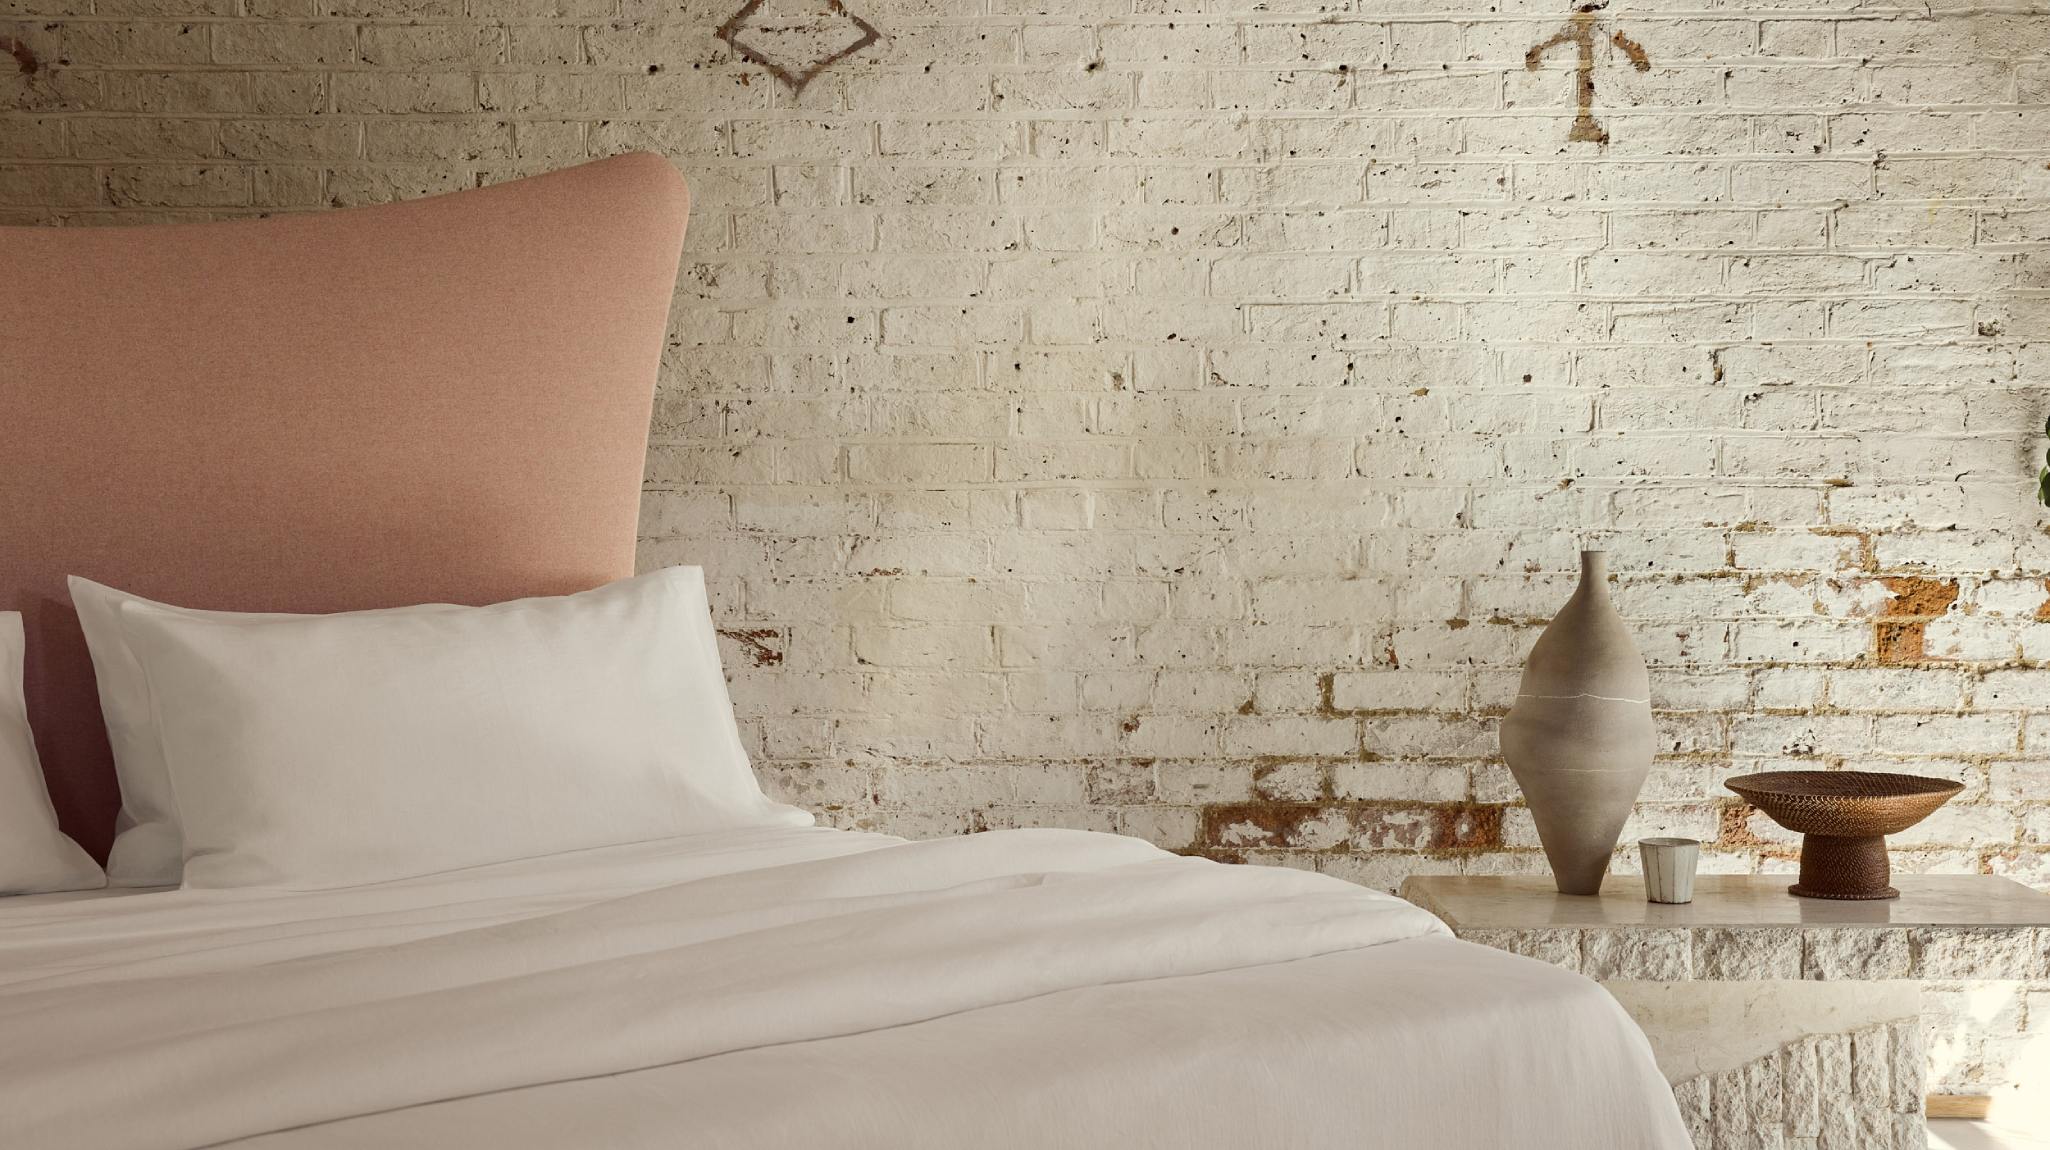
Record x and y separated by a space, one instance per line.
454 410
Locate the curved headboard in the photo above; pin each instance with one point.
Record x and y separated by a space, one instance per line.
443 400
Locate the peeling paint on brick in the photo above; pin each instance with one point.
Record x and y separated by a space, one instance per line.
755 644
1327 826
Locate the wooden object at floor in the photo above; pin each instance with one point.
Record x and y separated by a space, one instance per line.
1973 1106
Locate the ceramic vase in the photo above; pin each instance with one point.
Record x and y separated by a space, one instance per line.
1579 737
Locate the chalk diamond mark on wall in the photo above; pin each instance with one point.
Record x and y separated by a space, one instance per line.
797 39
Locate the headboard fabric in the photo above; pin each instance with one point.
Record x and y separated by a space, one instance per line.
442 400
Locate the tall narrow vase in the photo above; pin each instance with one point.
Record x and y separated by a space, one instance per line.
1579 737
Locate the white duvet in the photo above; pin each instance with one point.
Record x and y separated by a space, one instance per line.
804 987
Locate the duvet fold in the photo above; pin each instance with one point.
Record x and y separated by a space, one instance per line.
668 973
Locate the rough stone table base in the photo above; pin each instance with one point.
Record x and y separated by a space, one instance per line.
1788 1065
1978 946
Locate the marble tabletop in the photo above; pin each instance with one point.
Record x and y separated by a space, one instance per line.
1724 901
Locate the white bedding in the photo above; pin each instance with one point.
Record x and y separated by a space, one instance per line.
805 987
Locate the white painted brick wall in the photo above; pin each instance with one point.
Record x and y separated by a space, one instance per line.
1177 416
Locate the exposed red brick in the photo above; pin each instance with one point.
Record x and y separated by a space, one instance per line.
1733 831
1900 632
1923 597
1468 826
1732 826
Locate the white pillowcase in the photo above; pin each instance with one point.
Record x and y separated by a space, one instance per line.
331 750
149 849
35 856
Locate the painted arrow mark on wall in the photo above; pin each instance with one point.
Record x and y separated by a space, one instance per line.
1580 31
23 57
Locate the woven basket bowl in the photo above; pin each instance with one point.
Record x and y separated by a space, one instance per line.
1848 804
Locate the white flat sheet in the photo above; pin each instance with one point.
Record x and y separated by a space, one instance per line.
806 987
19 901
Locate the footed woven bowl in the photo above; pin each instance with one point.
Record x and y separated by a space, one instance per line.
1844 817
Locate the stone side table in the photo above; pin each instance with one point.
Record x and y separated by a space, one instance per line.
1826 1043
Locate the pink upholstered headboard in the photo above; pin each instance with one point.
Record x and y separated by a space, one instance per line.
440 400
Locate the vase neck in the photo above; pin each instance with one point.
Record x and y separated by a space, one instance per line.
1594 571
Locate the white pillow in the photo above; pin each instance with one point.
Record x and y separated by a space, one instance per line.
149 849
332 750
34 855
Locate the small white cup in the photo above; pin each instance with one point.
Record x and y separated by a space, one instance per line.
1669 868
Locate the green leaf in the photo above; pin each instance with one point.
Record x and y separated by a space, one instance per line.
2043 487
